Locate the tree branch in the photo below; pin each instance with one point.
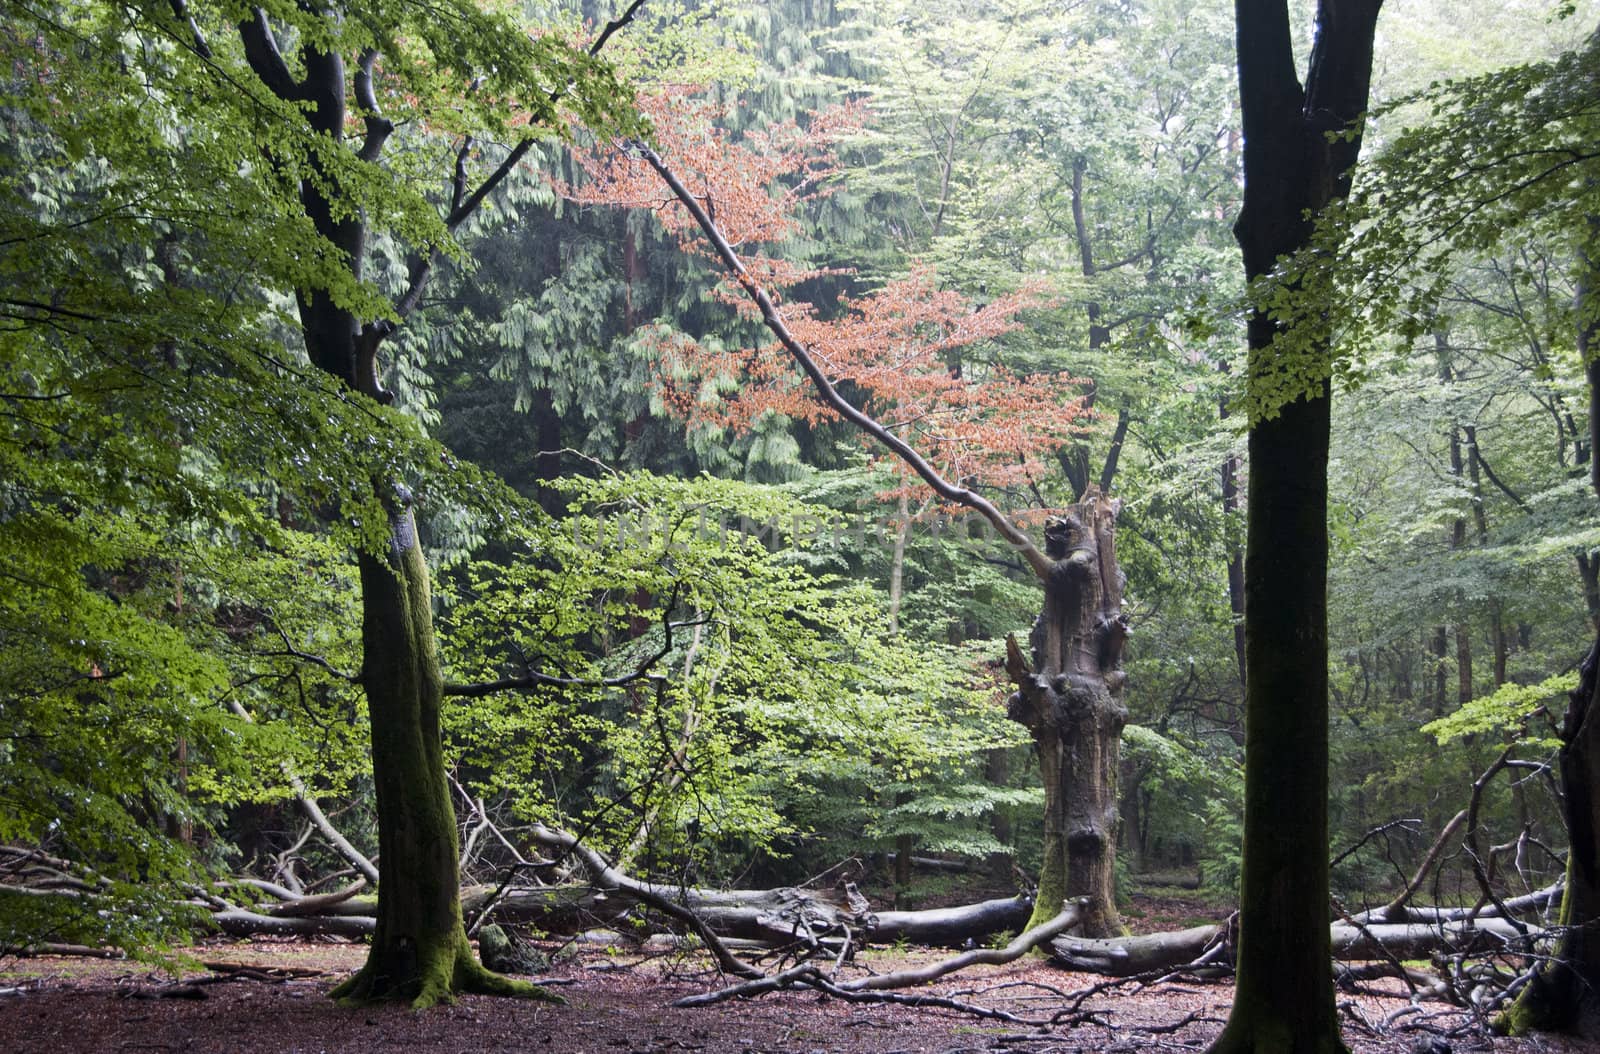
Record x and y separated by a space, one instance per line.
605 876
379 127
313 811
181 10
291 651
463 204
1477 456
610 28
261 51
534 679
1395 910
829 394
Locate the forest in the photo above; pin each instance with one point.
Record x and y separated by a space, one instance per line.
824 495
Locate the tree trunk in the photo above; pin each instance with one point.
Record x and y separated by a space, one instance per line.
1070 699
419 949
1283 998
1230 514
1439 682
997 773
1564 996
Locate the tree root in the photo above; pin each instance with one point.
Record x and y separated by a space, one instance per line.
441 979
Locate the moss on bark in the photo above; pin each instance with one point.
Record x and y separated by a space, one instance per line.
1070 698
420 951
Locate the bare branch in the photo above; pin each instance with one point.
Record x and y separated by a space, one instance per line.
606 876
872 988
462 203
611 27
290 651
313 811
1395 909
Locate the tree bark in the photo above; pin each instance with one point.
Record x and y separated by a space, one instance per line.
1070 700
1283 998
1230 514
1127 956
1564 995
420 951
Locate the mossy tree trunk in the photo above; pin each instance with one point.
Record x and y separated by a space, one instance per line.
419 948
1283 998
1070 698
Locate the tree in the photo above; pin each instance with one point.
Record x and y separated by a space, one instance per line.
149 425
419 949
1509 162
1071 696
892 348
327 128
1300 142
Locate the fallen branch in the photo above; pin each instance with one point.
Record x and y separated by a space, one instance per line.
1394 911
81 951
1129 956
313 811
603 874
808 975
238 922
1537 901
324 903
1022 945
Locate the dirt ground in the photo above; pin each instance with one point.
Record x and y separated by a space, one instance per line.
618 1004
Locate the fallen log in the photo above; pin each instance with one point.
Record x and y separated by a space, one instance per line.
773 916
1417 941
1537 901
1395 910
952 926
1126 956
937 863
237 922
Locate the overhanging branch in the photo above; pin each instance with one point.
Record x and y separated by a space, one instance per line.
825 389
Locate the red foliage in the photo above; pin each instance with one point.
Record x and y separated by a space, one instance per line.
898 350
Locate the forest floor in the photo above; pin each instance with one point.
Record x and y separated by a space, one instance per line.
618 1003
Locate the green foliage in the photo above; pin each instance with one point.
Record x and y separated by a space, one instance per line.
179 488
1503 160
1505 711
1190 801
778 694
179 491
